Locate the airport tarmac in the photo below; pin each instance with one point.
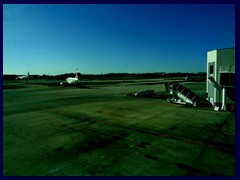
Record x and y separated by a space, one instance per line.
99 131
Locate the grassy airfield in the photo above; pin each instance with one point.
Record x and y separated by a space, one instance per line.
97 130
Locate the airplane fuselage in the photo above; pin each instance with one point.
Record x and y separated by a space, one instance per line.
72 80
22 77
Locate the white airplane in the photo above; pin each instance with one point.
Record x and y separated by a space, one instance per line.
71 80
23 77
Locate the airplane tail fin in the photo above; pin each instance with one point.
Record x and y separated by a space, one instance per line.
28 73
76 74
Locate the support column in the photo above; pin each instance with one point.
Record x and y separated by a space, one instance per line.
224 99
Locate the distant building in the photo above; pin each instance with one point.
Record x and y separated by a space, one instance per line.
220 85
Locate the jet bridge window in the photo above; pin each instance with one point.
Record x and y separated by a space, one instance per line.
227 79
211 69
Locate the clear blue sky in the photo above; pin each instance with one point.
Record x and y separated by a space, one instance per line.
104 38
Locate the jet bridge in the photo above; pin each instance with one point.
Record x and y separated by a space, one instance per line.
178 93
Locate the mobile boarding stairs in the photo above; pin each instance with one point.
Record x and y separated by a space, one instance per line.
178 93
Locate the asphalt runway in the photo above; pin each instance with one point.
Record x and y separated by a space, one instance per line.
99 131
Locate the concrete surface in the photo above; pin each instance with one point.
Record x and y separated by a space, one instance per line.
59 131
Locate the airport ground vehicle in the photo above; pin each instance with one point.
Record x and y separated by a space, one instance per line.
144 93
